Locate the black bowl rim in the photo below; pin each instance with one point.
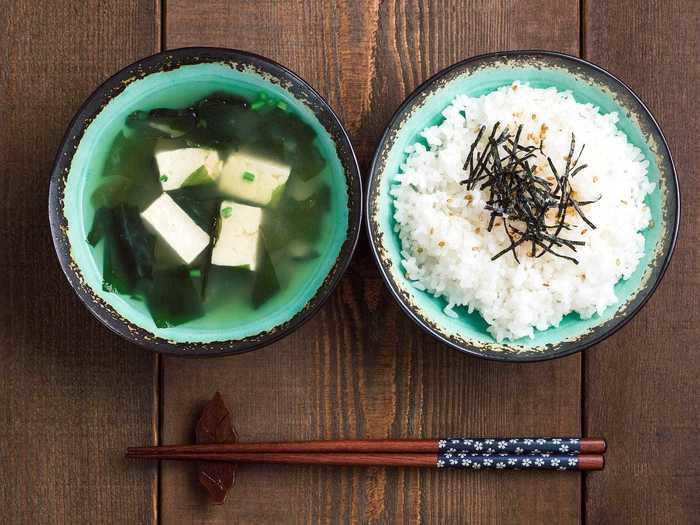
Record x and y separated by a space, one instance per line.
72 137
529 357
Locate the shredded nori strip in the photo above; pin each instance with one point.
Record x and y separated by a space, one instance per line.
521 199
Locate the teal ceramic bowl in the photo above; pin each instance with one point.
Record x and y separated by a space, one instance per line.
478 76
177 79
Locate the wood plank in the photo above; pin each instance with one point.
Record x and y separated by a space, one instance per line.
73 395
360 368
641 387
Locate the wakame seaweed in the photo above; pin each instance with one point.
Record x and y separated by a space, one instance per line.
128 247
136 240
266 284
172 298
163 122
200 202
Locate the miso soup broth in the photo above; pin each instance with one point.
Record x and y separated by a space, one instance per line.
214 213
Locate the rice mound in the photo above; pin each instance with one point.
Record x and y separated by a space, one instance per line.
447 250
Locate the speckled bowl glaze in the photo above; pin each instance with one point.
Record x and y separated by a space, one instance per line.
179 78
478 76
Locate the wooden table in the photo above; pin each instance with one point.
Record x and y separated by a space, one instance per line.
74 395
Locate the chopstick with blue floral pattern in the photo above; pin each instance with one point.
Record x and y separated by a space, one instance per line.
568 453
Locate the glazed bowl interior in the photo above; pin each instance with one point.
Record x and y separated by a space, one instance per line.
178 79
479 76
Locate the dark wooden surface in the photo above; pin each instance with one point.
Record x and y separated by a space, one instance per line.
642 387
73 395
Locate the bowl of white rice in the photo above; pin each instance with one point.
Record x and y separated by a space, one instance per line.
522 205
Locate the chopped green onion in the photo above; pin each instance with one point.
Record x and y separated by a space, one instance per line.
262 95
250 177
226 212
195 272
258 104
282 105
164 178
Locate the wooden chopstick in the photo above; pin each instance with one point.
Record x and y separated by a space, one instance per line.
465 461
421 446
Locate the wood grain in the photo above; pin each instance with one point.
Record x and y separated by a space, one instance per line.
360 368
73 396
642 385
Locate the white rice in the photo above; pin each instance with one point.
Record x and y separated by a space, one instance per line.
447 250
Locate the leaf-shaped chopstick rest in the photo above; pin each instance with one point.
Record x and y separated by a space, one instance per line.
214 426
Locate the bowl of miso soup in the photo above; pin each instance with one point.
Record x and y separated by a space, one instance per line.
204 201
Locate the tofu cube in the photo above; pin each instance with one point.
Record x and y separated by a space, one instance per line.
186 166
175 228
253 179
239 236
